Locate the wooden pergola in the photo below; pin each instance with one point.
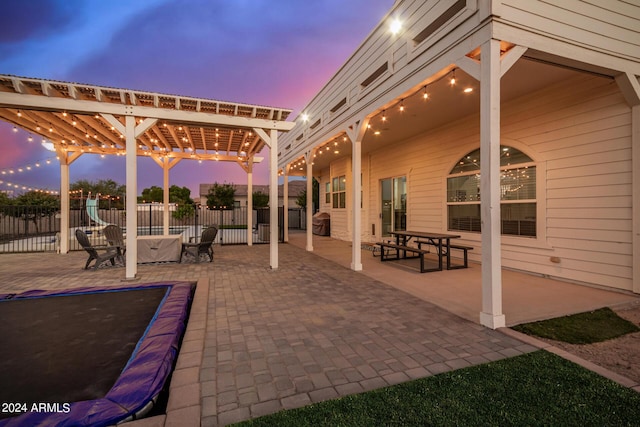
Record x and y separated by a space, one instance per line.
87 119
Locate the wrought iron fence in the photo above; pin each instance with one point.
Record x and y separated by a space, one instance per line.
34 229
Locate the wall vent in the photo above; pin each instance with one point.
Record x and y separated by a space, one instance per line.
440 21
377 73
339 105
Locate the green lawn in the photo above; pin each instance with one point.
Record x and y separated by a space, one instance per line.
583 328
538 388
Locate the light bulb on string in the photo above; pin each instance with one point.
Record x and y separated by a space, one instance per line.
425 95
384 116
402 105
453 77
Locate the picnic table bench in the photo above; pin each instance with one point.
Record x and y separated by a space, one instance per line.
385 255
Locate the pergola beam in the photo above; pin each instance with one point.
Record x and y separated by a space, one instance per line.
16 100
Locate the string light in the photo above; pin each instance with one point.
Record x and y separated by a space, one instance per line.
453 77
402 105
425 95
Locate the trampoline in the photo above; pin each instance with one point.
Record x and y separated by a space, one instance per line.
90 356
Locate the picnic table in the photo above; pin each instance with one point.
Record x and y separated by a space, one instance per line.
441 241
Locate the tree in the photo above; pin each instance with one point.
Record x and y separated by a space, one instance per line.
152 194
221 196
260 200
34 205
110 191
181 196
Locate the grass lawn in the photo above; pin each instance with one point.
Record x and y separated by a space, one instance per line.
538 388
583 328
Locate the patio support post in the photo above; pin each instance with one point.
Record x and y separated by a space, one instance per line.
491 315
273 199
356 134
271 140
629 85
132 199
250 201
166 164
285 202
64 205
65 161
309 212
635 186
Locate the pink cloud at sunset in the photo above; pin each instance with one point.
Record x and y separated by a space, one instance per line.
276 53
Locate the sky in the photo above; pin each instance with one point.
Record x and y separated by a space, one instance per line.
268 52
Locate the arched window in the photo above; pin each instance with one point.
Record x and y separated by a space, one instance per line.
517 193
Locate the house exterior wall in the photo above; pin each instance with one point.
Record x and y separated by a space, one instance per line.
579 134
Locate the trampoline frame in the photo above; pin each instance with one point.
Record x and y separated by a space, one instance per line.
136 390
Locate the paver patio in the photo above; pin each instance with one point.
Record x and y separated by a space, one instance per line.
262 340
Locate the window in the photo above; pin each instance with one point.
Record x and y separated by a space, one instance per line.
517 193
339 187
327 192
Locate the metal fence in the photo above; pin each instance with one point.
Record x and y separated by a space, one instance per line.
34 229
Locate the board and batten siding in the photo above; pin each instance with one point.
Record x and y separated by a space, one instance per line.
579 133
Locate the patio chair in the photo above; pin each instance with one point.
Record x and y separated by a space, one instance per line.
114 237
203 247
110 253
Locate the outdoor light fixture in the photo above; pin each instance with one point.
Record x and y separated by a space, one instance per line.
304 117
395 26
468 90
453 77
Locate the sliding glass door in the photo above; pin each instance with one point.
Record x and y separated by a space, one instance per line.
394 204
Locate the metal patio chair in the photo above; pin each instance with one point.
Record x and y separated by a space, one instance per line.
203 247
110 252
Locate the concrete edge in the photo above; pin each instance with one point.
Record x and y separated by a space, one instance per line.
613 376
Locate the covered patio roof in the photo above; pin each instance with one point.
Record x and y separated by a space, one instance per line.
82 119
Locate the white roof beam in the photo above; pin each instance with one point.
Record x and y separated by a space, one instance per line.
16 100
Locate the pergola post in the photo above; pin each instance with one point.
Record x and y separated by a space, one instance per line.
285 203
250 202
132 199
64 205
491 315
309 212
273 199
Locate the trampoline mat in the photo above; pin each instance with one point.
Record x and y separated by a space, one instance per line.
72 347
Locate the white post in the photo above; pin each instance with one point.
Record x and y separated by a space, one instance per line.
635 187
64 204
165 196
491 315
356 196
356 135
273 199
309 212
250 202
285 204
132 200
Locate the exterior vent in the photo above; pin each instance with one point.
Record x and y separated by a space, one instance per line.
339 105
377 73
287 147
299 137
315 125
440 21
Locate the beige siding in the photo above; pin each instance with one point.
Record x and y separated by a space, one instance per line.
607 26
579 132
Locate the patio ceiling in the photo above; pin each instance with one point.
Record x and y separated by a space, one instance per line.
445 105
80 118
